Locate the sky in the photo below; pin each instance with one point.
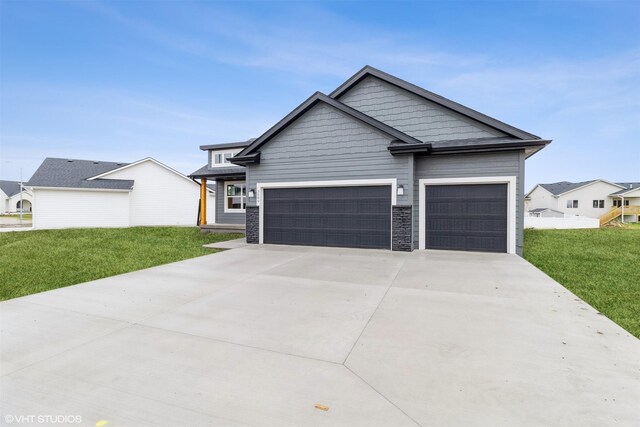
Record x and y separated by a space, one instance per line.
124 80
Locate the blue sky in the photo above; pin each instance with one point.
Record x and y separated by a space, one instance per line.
124 80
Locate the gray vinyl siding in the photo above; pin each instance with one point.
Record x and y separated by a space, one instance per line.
472 165
411 114
325 144
221 216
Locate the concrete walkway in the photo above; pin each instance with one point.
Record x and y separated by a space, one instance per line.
260 335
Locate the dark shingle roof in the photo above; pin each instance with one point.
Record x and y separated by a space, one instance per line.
10 187
73 173
219 172
557 188
628 186
536 210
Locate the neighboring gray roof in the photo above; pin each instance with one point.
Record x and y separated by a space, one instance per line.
10 188
219 172
536 210
558 188
628 186
73 173
241 144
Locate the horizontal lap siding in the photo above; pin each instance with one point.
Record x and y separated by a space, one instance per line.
411 114
223 217
160 196
325 144
473 165
76 209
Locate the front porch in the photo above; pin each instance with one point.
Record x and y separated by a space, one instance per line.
222 228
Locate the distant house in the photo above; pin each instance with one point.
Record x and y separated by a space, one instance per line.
545 213
85 193
594 199
11 201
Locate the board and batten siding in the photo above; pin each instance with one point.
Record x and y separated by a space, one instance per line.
326 145
80 208
412 114
472 165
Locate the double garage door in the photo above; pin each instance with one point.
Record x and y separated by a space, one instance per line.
457 217
354 217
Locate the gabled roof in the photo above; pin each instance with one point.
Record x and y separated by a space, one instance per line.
10 188
628 188
562 187
536 210
244 156
430 96
74 173
129 165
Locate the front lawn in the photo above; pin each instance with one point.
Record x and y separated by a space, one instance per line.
601 266
36 261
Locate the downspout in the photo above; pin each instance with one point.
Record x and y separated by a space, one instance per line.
622 209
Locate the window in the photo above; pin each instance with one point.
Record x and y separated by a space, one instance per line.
617 202
235 196
222 159
598 204
572 204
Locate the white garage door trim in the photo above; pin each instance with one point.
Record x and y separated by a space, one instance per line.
511 202
261 186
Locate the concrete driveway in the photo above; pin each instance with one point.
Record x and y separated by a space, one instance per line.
260 335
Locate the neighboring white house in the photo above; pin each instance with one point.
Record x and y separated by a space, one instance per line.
83 193
11 201
591 199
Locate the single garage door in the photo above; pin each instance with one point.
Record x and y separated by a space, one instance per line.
466 217
354 217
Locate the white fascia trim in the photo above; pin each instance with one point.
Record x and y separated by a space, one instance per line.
83 189
147 159
261 186
511 203
232 211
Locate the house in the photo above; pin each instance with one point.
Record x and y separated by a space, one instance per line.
379 163
545 213
12 200
86 193
597 198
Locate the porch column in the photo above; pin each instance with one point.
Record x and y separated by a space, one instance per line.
203 201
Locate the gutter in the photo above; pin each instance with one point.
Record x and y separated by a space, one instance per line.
427 148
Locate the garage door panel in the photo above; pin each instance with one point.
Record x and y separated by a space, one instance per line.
466 217
329 216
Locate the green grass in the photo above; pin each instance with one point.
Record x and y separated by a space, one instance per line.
36 261
24 216
601 266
